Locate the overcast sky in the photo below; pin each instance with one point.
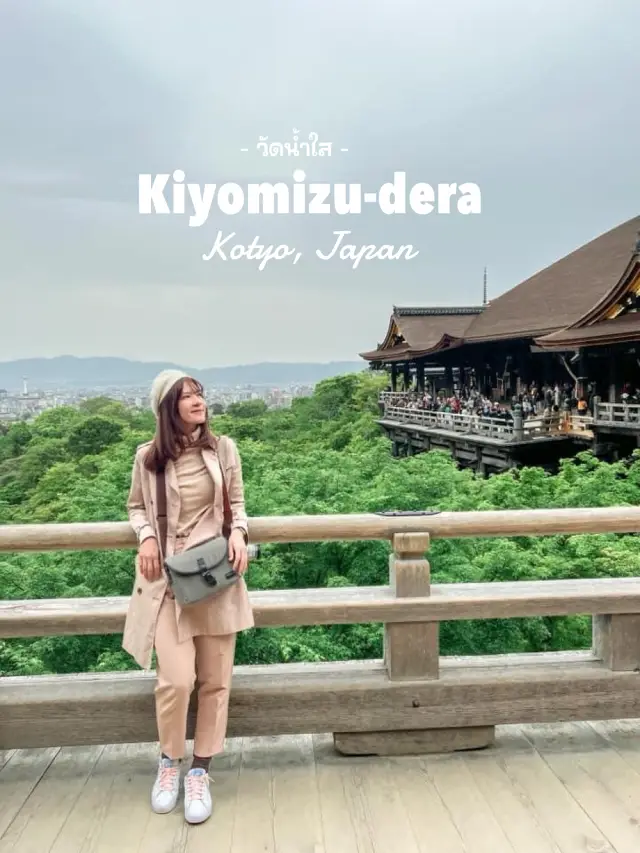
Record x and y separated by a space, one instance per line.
535 102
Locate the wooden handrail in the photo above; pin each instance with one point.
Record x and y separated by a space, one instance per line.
85 536
415 700
617 413
347 605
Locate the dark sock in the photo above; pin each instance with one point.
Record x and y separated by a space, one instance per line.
174 760
201 762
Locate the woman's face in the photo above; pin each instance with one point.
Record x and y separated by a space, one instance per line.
191 406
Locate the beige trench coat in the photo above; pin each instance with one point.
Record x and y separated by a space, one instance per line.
231 610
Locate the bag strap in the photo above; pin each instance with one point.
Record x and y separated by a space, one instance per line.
161 508
226 527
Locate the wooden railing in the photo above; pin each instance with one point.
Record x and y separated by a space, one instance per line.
453 421
394 398
579 425
472 424
413 700
617 413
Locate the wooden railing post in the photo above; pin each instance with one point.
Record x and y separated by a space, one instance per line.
411 650
412 654
616 641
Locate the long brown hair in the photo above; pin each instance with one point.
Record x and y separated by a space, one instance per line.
170 439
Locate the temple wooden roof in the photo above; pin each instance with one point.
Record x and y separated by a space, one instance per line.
613 319
414 331
561 294
618 330
584 290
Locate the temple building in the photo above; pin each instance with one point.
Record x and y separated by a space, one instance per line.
576 321
574 324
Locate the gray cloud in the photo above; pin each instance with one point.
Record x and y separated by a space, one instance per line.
534 103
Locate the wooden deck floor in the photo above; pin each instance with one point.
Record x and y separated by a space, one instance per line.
567 789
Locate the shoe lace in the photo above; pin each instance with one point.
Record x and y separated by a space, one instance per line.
167 777
195 785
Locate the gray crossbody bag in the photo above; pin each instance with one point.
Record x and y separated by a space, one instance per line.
205 570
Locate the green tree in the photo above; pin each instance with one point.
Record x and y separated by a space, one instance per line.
325 454
93 435
247 409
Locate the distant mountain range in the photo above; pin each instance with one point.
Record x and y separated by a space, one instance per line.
71 372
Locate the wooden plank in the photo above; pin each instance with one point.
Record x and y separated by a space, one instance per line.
417 742
253 827
297 818
348 605
594 775
378 810
623 736
121 817
510 804
426 814
300 699
472 815
112 811
516 798
38 823
18 778
570 826
314 528
342 827
363 810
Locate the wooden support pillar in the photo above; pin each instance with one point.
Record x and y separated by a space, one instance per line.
448 380
394 377
412 653
581 383
616 641
612 379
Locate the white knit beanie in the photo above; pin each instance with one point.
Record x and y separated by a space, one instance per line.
161 386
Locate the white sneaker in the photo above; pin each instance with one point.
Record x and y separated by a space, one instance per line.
197 797
166 788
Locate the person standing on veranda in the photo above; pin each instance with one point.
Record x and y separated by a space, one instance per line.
197 641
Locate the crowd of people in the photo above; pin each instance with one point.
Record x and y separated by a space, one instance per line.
535 401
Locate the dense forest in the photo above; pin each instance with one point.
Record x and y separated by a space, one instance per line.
325 454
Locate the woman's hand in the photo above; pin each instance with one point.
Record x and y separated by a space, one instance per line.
238 551
149 559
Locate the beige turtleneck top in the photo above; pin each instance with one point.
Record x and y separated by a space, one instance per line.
196 490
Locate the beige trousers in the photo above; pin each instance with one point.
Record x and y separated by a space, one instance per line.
210 660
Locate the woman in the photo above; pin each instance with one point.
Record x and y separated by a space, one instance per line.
198 640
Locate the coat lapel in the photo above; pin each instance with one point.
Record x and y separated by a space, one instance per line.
173 490
213 463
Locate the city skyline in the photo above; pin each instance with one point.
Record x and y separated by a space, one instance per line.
72 373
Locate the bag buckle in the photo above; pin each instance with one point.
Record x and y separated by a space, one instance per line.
209 578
